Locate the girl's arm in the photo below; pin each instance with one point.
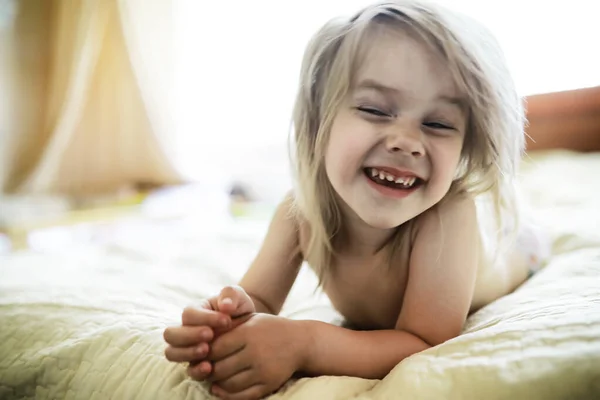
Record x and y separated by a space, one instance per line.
442 273
275 268
333 350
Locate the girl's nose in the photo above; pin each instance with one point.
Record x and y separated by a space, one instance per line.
405 141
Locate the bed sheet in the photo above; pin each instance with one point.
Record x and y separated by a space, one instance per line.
87 323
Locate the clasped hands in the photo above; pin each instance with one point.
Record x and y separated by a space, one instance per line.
243 354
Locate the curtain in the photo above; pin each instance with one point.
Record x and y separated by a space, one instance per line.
23 76
88 116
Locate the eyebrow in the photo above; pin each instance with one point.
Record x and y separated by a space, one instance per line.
391 91
380 87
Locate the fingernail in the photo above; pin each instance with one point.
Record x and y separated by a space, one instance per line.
205 335
227 300
224 322
200 350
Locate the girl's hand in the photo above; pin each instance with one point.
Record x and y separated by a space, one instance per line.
256 358
190 342
233 301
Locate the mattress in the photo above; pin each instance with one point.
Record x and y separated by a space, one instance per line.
86 321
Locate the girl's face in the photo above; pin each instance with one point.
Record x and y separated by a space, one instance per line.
395 143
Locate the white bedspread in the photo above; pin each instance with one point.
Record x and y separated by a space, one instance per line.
88 323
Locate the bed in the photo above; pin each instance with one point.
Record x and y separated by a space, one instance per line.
86 321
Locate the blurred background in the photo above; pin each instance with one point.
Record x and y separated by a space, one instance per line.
183 107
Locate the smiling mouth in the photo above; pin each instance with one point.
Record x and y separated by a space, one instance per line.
388 180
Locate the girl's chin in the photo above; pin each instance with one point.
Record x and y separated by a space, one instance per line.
384 224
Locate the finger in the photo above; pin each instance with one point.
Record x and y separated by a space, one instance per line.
252 393
238 382
185 336
225 346
229 300
240 303
201 316
186 354
199 371
237 321
228 367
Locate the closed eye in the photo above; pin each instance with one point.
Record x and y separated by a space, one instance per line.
373 111
438 125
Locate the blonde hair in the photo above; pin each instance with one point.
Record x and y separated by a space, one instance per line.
494 141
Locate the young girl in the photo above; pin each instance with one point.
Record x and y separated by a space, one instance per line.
405 115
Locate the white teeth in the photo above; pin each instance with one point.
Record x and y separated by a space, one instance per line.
407 182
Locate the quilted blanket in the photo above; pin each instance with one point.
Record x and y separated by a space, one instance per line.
88 323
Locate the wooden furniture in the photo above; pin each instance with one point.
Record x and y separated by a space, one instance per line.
567 120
